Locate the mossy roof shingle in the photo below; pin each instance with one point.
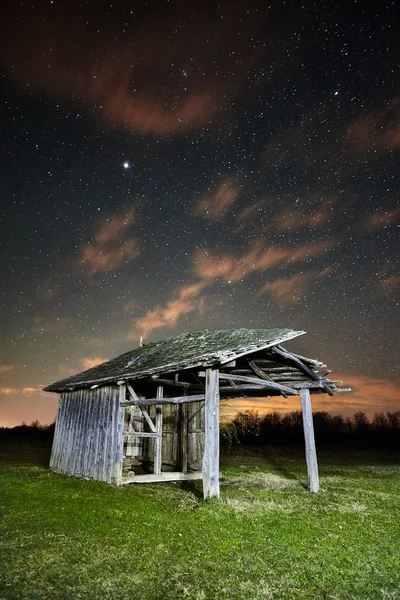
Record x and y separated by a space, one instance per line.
204 348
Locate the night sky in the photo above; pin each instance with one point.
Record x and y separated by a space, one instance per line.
176 166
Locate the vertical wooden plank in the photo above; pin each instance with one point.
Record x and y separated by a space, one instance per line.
54 457
63 432
91 433
105 468
102 397
311 454
96 414
158 440
80 465
211 441
77 437
184 435
119 419
67 436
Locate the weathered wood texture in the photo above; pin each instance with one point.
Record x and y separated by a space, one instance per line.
311 454
159 428
163 477
88 439
172 400
211 441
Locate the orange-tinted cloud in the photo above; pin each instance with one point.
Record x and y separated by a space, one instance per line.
377 131
130 85
259 258
88 363
186 302
66 370
252 211
290 290
8 390
216 205
6 368
391 283
381 218
144 75
296 218
111 247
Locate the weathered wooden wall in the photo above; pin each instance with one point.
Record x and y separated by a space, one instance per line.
88 438
180 422
195 435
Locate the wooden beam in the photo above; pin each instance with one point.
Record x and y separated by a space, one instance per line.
261 382
184 437
174 400
172 476
311 453
311 361
158 440
210 467
142 434
308 385
285 354
176 383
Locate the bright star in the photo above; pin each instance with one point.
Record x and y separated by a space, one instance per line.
126 165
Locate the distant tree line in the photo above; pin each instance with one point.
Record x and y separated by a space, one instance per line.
249 428
35 432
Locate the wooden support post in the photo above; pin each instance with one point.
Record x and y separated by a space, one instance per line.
184 436
158 440
311 454
211 438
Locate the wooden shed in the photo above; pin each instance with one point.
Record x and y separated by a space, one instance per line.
152 414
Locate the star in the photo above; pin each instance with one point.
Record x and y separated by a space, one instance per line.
126 165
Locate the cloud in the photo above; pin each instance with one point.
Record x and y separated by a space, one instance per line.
145 75
290 290
88 363
66 370
369 394
26 391
216 205
377 131
6 368
259 258
391 283
110 248
209 267
251 211
186 302
297 218
381 218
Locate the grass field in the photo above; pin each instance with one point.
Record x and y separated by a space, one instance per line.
268 537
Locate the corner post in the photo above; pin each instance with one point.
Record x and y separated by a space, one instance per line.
210 465
118 435
159 427
311 453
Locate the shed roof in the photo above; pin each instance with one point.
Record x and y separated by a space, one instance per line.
204 348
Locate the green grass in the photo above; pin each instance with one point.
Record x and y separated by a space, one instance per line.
62 537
